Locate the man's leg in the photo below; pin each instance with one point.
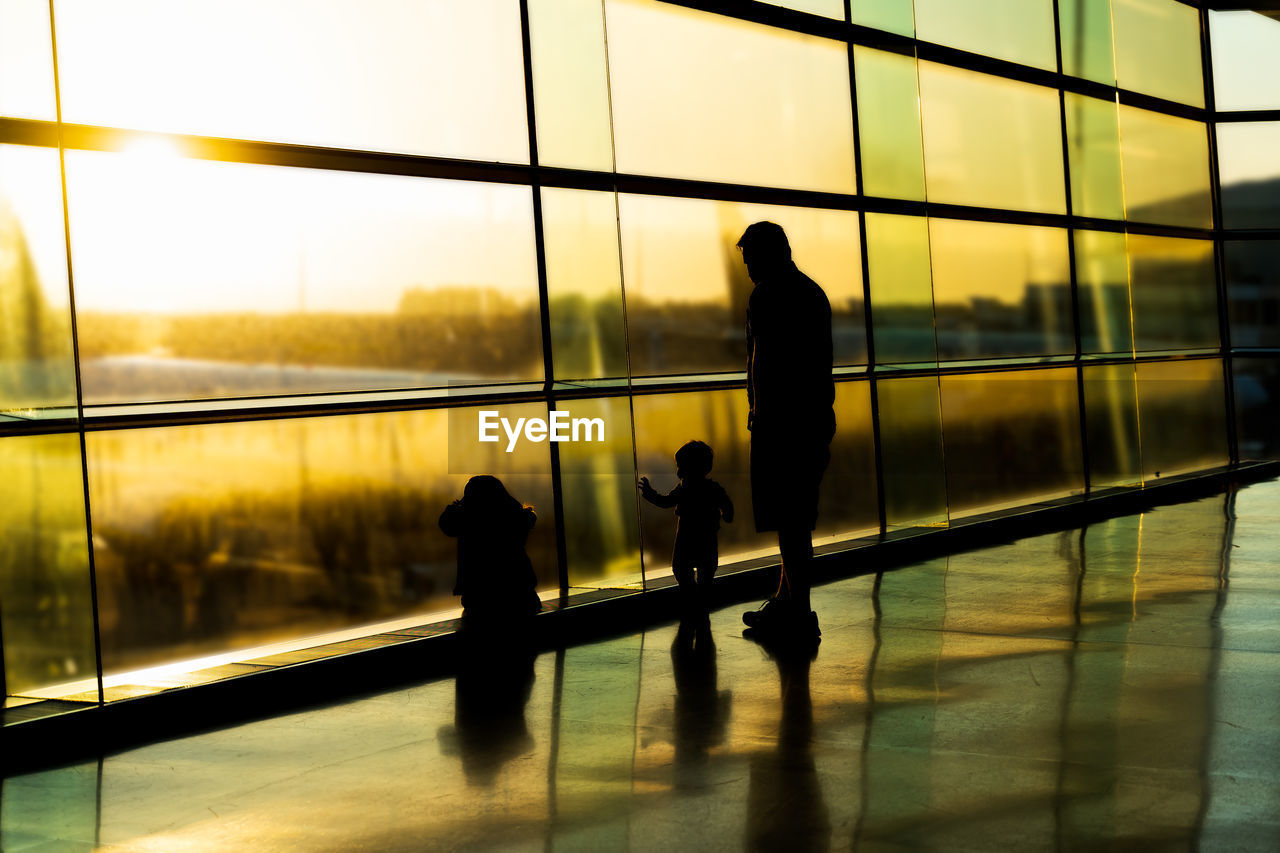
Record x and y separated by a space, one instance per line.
796 546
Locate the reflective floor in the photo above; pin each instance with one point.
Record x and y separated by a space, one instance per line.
1112 687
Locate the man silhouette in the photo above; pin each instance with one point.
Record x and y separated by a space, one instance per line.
792 420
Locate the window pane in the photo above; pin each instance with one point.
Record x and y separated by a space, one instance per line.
1175 299
663 423
226 536
901 288
687 288
598 484
1182 412
826 8
1166 169
198 279
729 100
895 16
991 142
1249 171
423 78
1246 60
45 598
1011 438
1102 277
584 284
36 367
1000 290
1086 39
1111 421
570 83
915 486
1093 140
847 504
889 124
1257 386
1158 49
1253 292
26 60
1017 30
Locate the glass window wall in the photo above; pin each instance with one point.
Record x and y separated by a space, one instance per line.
1246 60
1166 169
1182 414
26 60
1016 30
1253 292
1249 173
1158 49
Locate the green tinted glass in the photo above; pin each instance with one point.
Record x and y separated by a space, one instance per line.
1102 287
895 16
1158 49
1085 26
901 288
1016 30
1093 145
1111 424
889 124
915 486
570 83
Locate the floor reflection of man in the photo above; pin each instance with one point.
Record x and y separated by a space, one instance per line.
785 807
792 420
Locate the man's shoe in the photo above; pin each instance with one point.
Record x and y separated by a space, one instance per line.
765 614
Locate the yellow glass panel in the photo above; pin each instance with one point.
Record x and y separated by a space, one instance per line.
1011 438
915 485
392 75
1000 290
901 288
728 100
1246 60
1087 45
1249 173
584 284
226 536
1166 169
895 16
687 288
1016 30
598 493
1158 49
1111 423
1175 299
991 142
570 83
26 60
36 367
45 597
1182 411
847 505
197 279
889 124
1093 145
1102 286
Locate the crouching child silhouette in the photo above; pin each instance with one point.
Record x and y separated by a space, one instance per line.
700 503
495 576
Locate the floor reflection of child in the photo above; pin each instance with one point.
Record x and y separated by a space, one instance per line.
700 504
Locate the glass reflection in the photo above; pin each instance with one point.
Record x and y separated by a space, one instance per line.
901 288
889 124
1257 393
1175 299
46 608
1102 287
327 281
26 60
1182 413
895 16
1111 425
1249 171
1166 169
826 8
730 100
1016 30
1093 146
990 142
570 83
687 287
915 486
1246 60
584 284
1253 292
226 536
1011 438
1158 49
36 367
1085 26
422 78
1000 290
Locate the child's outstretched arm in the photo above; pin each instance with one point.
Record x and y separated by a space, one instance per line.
655 497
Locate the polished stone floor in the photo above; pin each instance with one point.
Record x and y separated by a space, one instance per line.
1112 687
